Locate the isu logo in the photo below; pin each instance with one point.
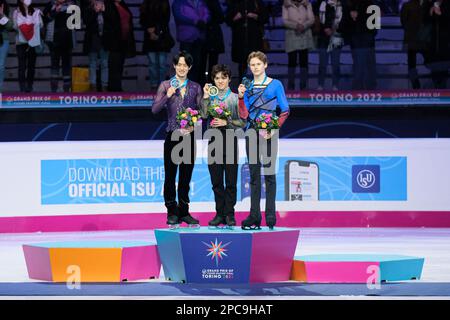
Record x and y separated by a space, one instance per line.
366 179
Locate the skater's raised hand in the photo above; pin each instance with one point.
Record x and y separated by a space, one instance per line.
171 92
206 90
241 90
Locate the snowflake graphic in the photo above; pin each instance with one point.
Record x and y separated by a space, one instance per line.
216 250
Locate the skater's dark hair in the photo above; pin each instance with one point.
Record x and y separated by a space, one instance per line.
187 57
220 68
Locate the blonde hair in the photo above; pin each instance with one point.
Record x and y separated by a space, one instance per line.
257 54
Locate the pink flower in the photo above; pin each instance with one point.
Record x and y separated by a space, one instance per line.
219 111
267 120
183 123
194 112
269 115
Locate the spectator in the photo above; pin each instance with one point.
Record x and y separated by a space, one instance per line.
154 19
362 44
246 19
60 40
298 18
411 19
214 36
93 46
5 26
330 40
118 35
437 15
191 18
28 23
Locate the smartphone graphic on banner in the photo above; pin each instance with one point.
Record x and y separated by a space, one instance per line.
301 181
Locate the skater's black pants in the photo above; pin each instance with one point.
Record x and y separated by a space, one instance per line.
220 168
266 158
185 173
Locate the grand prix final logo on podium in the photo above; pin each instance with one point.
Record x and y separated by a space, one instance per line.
216 250
216 256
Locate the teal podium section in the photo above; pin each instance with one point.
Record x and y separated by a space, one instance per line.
217 255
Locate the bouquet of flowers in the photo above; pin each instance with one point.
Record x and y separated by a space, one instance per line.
188 118
267 121
219 111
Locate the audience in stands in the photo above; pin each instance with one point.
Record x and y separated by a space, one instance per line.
437 55
6 25
330 39
214 36
246 19
298 18
28 24
118 35
94 43
362 44
61 41
191 19
327 25
154 19
416 37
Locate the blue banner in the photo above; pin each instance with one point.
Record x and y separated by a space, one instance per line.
138 180
295 99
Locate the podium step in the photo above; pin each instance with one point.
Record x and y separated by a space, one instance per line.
93 261
356 268
207 255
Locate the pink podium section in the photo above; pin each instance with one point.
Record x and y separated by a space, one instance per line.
272 251
356 268
140 262
38 262
94 261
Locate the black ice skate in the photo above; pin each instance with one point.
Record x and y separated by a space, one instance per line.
191 221
217 221
230 221
185 216
173 221
271 221
252 223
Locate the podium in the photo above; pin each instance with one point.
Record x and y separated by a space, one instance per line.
214 255
92 261
356 268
